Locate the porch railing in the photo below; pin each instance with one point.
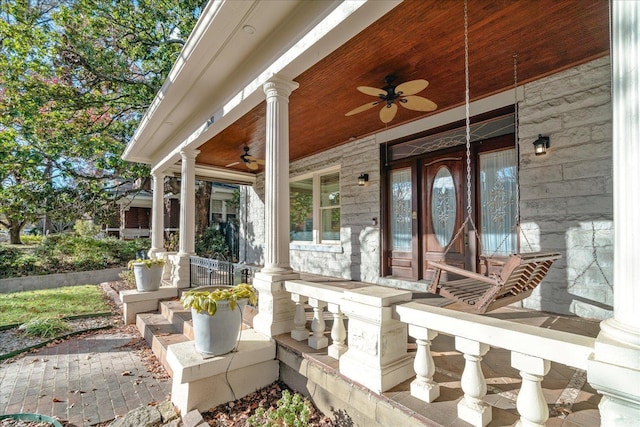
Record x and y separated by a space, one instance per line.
375 317
214 272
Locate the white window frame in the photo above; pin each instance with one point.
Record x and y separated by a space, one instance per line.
316 210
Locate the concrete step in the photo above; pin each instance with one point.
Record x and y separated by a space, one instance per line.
159 334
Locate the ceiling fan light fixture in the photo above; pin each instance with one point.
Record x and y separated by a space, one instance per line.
404 93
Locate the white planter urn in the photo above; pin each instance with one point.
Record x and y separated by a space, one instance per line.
148 276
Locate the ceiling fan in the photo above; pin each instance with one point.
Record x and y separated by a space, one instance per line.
404 93
251 162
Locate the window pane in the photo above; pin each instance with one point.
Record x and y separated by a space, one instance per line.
330 190
330 224
498 180
443 206
301 210
401 210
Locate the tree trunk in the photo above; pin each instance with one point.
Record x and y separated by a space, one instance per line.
203 197
14 233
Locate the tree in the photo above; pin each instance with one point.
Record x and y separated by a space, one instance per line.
76 77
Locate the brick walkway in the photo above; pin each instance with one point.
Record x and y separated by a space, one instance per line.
83 381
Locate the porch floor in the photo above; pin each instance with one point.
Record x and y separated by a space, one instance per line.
571 401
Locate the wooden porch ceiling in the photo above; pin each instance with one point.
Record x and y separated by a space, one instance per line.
424 39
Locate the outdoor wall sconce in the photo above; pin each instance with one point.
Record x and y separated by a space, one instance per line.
540 145
363 179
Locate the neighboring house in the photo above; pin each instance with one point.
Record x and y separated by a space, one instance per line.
374 195
133 217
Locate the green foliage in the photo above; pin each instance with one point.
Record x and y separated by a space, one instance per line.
147 262
84 228
75 79
206 301
292 410
20 307
32 239
45 328
172 244
212 244
66 253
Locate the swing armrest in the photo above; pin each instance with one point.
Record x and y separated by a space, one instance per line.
462 272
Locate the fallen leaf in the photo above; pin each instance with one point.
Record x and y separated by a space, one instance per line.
126 373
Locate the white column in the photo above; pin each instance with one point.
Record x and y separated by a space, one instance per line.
300 331
615 368
157 215
317 340
531 403
275 308
276 254
338 332
424 387
472 408
187 217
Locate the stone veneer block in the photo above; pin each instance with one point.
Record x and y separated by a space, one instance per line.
201 383
134 302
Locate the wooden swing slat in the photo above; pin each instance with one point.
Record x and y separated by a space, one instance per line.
520 275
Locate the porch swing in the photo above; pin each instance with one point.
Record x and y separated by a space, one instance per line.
517 276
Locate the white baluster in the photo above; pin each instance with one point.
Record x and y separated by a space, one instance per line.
531 403
423 387
338 332
299 332
472 408
318 340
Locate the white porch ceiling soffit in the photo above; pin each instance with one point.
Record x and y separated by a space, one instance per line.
219 74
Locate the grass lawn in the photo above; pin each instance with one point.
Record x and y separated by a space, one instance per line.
19 307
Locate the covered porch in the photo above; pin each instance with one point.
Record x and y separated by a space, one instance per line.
201 124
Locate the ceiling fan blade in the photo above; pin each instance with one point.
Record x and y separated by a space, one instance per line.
417 103
388 112
252 166
362 108
373 91
231 164
412 87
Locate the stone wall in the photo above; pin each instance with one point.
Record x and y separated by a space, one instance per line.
51 281
567 195
357 255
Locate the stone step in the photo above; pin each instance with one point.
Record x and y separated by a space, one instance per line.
159 334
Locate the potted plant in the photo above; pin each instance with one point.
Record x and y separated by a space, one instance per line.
216 312
148 273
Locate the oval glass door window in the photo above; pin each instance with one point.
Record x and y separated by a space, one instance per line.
443 206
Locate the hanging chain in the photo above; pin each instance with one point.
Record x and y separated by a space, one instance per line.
466 106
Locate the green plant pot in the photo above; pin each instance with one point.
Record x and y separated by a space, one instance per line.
32 417
218 334
148 278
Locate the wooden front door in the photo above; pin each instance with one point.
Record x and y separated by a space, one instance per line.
403 220
443 211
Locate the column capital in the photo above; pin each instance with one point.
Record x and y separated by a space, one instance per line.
277 86
158 174
188 153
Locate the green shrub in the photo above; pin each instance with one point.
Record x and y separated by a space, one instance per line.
66 253
45 328
292 410
86 228
212 244
29 239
